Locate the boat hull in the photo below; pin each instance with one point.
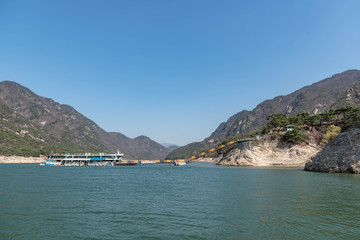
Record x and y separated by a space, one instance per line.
125 164
179 163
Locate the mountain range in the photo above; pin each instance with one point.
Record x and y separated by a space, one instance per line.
33 125
333 92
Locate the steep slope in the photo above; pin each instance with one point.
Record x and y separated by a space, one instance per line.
20 137
60 121
63 124
316 98
350 97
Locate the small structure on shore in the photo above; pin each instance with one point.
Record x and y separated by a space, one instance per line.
289 127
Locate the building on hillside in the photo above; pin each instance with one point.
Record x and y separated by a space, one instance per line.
289 127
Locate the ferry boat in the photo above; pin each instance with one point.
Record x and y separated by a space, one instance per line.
86 159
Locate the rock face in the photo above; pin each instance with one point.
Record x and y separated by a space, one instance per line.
340 155
209 159
270 153
350 97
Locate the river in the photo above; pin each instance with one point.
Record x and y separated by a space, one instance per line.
197 201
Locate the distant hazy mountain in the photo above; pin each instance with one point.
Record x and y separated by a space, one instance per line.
167 144
140 147
170 146
31 120
316 98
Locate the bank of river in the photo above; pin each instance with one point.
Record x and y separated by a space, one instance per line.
197 201
19 159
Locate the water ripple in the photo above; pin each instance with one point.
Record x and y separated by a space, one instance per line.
199 201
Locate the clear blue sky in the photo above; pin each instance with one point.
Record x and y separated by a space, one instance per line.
173 70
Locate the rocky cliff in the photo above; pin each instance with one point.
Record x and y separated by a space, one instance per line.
340 155
270 153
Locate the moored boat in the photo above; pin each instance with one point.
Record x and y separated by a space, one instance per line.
126 163
180 162
86 159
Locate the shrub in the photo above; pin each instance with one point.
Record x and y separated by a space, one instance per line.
331 132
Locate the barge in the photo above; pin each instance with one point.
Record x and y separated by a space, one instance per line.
86 159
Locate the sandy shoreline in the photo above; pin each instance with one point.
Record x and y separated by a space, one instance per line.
19 159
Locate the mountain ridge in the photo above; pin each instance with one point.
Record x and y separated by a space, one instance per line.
64 124
314 98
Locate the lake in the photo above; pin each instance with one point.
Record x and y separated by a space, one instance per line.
197 201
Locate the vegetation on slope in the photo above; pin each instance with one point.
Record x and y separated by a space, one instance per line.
20 137
329 123
44 125
304 128
332 92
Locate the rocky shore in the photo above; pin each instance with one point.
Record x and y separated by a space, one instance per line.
340 155
270 153
208 159
18 159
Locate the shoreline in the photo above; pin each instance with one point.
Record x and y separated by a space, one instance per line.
20 159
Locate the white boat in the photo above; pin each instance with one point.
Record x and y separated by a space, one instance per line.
86 159
180 162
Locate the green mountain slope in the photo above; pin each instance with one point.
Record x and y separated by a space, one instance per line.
316 98
18 136
62 128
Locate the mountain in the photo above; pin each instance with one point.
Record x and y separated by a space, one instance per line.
316 98
61 128
173 147
140 147
170 146
22 138
350 97
167 144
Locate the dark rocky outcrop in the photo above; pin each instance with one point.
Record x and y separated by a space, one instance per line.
340 155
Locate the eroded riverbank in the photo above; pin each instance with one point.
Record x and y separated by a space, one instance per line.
19 159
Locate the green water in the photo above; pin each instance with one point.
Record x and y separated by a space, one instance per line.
197 201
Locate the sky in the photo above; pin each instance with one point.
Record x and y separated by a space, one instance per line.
173 70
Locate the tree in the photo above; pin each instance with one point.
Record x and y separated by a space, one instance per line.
300 119
277 120
351 118
331 132
294 136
